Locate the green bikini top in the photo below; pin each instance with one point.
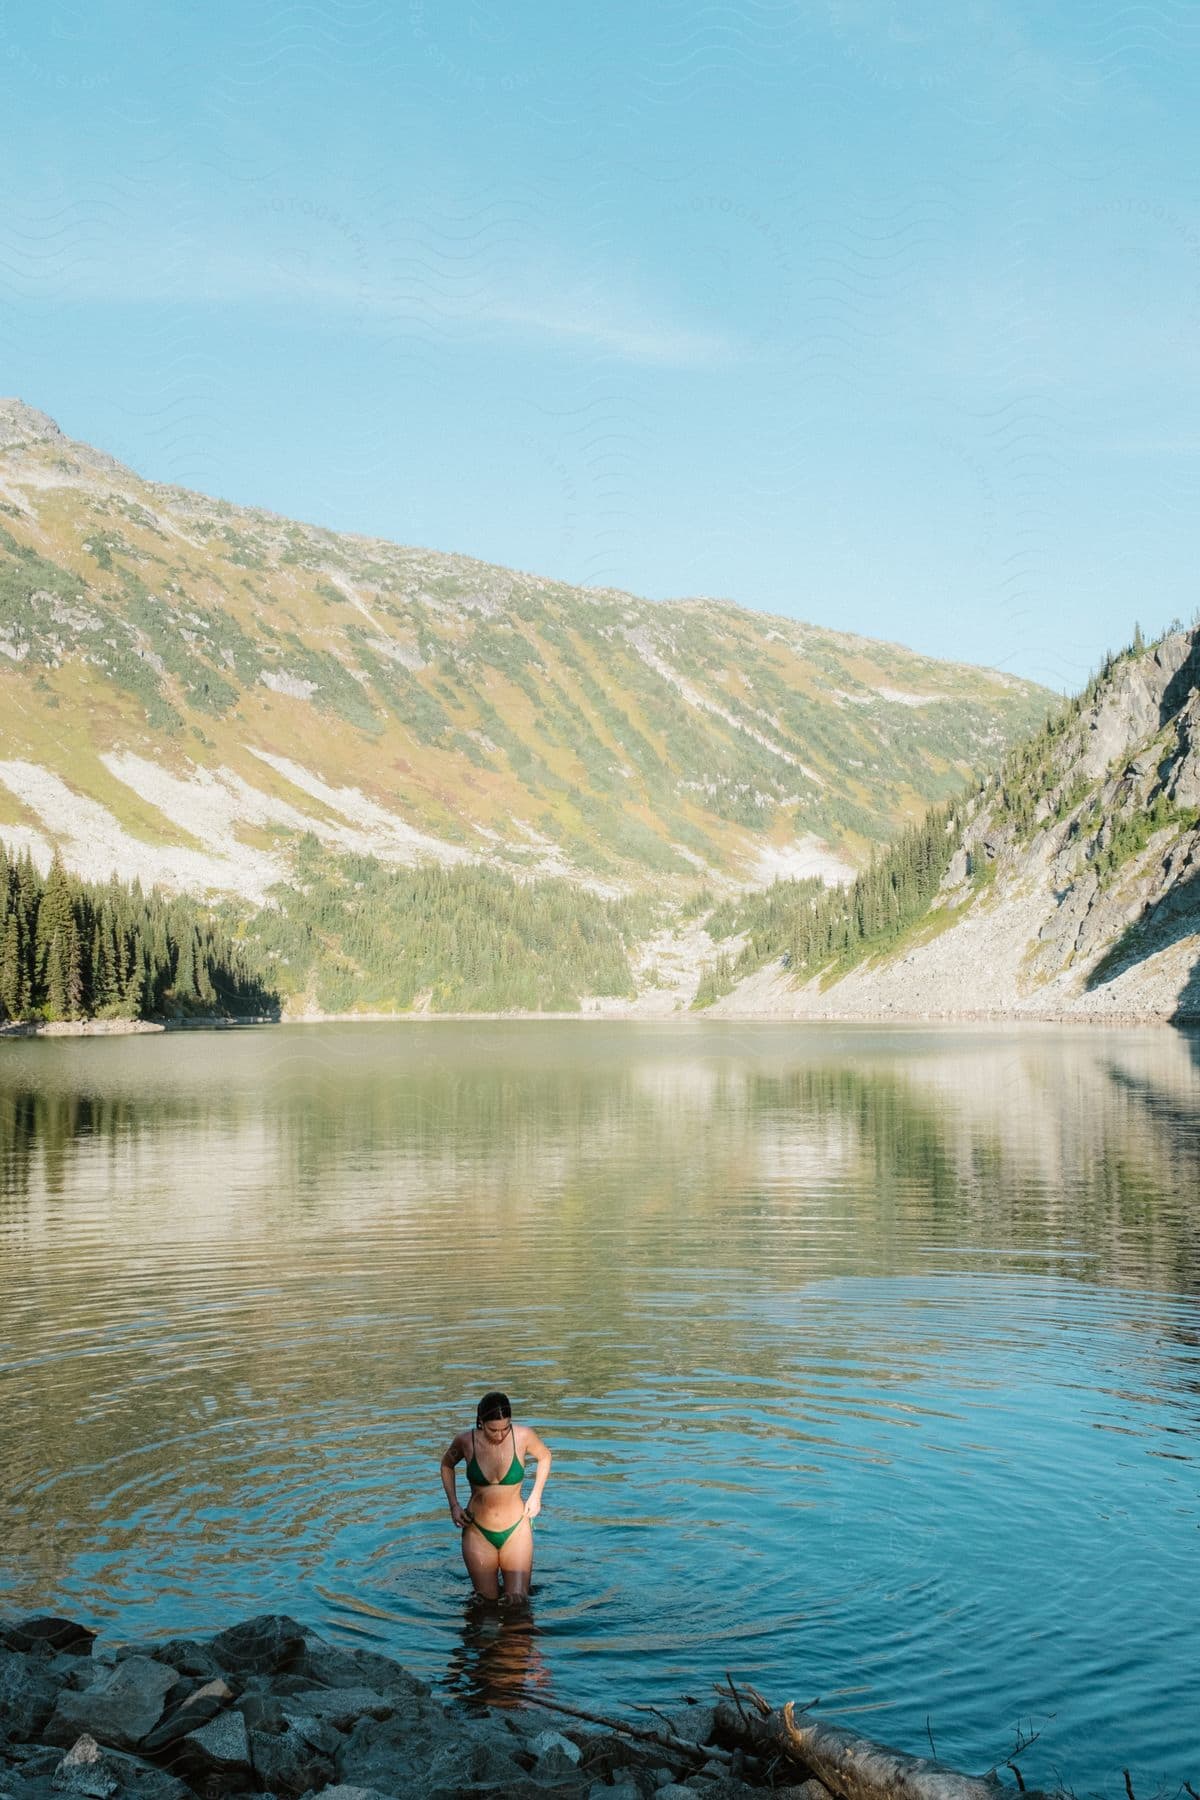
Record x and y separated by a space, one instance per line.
516 1468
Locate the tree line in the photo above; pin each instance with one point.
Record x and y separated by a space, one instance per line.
71 949
809 927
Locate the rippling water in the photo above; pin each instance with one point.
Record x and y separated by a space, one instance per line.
869 1360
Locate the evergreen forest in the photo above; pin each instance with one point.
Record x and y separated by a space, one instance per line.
71 949
353 933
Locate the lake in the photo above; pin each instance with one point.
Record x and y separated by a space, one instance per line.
870 1360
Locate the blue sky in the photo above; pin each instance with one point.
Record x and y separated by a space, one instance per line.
879 313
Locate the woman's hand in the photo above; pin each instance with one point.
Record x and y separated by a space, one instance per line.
457 1515
533 1507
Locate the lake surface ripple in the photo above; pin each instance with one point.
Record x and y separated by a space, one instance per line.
870 1360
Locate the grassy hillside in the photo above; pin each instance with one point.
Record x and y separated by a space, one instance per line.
188 687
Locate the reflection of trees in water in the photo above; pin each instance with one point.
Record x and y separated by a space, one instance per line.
1044 1146
498 1661
39 1129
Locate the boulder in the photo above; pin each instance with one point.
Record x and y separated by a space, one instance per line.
392 1754
328 1665
341 1707
89 1769
341 1792
286 1763
465 1764
318 1734
263 1645
195 1710
28 1693
72 1670
49 1635
262 1712
555 1755
120 1708
184 1654
217 1756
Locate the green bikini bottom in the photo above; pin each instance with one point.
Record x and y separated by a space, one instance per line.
498 1538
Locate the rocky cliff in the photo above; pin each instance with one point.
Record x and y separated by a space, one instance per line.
1073 887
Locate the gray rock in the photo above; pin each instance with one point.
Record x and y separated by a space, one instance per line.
262 1712
89 1769
393 1754
328 1665
120 1708
219 1751
194 1711
341 1792
268 1643
72 1670
340 1707
287 1764
184 1654
51 1636
463 1765
694 1720
28 1693
317 1733
549 1742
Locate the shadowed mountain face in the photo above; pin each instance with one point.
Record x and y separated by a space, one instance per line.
186 687
1070 884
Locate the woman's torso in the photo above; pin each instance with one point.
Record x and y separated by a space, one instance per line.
495 1473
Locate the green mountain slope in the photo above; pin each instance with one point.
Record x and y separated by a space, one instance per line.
188 687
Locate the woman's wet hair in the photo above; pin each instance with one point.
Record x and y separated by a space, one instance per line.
492 1406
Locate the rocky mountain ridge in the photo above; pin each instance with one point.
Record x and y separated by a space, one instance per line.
1073 890
187 688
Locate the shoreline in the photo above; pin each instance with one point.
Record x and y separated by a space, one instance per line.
1117 1021
270 1708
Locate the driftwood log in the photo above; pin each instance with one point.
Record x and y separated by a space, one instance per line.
850 1766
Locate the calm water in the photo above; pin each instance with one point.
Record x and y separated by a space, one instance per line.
870 1359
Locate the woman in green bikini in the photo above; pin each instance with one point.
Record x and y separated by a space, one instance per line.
497 1527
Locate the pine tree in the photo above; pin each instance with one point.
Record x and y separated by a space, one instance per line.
55 978
10 970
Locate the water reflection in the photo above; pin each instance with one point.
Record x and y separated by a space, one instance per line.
499 1661
831 1331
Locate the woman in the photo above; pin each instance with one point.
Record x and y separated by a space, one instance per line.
497 1527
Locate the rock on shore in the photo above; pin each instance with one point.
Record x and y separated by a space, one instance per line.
268 1707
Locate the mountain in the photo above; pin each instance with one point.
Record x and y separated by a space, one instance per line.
1067 886
189 688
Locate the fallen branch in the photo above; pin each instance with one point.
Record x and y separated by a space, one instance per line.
666 1740
854 1767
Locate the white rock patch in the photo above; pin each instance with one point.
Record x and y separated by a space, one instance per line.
95 845
384 833
903 699
796 861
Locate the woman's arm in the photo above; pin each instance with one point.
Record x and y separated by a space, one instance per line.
541 1455
454 1455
